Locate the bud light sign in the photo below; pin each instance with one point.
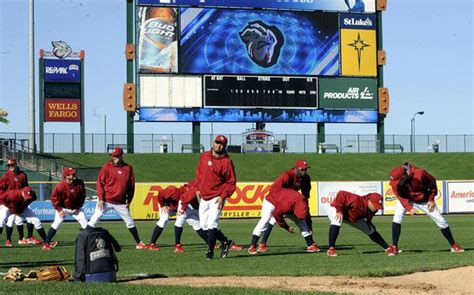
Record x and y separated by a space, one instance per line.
62 70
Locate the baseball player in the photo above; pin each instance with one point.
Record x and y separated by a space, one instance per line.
357 211
297 179
14 178
215 182
275 205
416 189
67 198
115 190
170 204
16 201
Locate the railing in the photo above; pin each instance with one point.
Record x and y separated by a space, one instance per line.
295 143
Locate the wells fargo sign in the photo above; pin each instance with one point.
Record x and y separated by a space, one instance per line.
244 203
62 110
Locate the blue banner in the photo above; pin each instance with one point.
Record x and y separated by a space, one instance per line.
359 6
256 115
357 21
61 70
45 212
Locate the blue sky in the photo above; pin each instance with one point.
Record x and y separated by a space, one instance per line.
429 67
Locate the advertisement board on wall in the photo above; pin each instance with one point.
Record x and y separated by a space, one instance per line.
62 110
327 192
348 93
359 6
256 115
262 42
158 46
45 212
358 45
61 70
460 196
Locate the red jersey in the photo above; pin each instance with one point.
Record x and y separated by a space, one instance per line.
169 197
69 196
189 196
15 202
353 207
11 180
287 201
116 184
290 180
215 176
419 187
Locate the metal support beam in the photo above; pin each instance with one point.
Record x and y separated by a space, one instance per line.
130 75
196 137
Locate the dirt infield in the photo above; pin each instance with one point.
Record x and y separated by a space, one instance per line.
454 281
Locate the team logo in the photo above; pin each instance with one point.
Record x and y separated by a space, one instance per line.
72 190
263 43
209 163
15 179
119 172
100 243
61 49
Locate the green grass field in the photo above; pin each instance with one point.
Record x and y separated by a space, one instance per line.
424 248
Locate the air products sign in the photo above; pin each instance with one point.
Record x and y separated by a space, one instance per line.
347 93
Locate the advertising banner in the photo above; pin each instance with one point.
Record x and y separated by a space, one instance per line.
327 192
62 110
244 203
390 200
358 45
460 196
358 6
348 93
61 70
45 212
262 42
158 47
257 115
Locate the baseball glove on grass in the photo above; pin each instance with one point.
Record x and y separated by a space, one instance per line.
53 273
14 274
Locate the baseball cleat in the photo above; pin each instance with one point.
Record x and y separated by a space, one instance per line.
46 247
209 254
236 247
226 248
313 248
152 247
8 243
23 242
332 252
34 241
252 250
141 246
53 244
178 249
262 247
392 250
455 248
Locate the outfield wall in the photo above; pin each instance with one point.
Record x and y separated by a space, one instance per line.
453 197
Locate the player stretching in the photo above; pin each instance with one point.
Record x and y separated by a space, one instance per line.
215 182
416 189
115 190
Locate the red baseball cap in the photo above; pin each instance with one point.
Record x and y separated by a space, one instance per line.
117 152
221 139
302 164
68 171
377 200
397 173
11 162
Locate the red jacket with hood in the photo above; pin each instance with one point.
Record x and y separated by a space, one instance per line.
116 184
287 201
215 176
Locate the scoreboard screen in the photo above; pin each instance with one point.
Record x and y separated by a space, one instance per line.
260 91
62 90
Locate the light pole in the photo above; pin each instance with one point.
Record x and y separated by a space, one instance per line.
412 136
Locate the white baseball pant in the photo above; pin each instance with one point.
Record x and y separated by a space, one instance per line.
191 216
209 213
121 210
360 224
77 215
435 215
28 214
267 218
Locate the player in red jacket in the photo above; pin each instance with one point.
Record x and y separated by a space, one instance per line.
170 205
416 189
67 198
16 201
357 211
14 178
289 203
215 182
297 179
115 190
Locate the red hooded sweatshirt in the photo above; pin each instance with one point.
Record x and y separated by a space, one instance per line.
215 176
116 184
15 202
287 201
352 206
11 180
69 196
290 180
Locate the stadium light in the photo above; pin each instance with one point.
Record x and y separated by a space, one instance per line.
412 137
